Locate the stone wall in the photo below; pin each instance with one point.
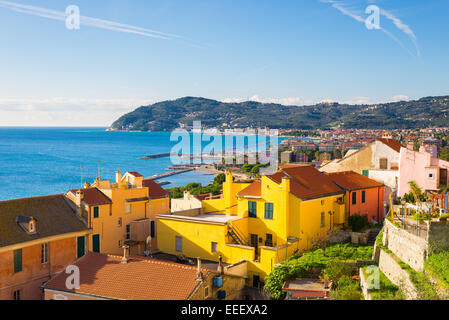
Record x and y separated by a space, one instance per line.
400 277
406 246
438 237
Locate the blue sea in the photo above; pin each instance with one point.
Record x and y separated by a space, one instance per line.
42 161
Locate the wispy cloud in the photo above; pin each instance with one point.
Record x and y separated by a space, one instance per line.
65 111
87 21
339 5
403 27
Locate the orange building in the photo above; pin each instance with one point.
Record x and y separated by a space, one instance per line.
39 237
121 212
364 196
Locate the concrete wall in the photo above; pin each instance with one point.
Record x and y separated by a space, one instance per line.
409 248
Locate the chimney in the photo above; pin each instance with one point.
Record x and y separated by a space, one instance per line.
220 265
125 254
79 198
118 176
199 274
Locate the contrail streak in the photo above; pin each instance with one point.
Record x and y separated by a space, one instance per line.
87 21
398 23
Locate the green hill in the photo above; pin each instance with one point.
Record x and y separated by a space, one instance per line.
168 115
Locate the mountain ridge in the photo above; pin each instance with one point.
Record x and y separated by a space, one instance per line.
169 115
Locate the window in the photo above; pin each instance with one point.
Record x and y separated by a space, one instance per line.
252 209
363 196
206 292
17 295
96 243
44 253
178 244
322 202
322 219
17 260
214 246
354 198
268 210
430 175
127 208
383 163
119 222
152 229
80 247
269 240
128 232
120 244
96 212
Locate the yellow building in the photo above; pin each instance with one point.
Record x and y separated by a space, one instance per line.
121 212
263 221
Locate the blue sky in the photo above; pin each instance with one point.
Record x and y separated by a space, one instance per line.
293 52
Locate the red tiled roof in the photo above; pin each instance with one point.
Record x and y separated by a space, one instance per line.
393 144
311 294
202 197
306 182
253 190
135 174
351 180
141 278
93 196
155 191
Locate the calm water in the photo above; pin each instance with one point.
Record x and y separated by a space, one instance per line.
41 161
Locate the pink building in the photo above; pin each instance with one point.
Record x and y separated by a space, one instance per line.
429 172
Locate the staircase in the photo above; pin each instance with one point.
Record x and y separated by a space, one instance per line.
236 235
372 235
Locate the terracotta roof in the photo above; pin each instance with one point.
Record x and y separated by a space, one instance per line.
155 191
93 197
53 214
307 182
253 190
351 180
202 197
393 144
135 174
140 279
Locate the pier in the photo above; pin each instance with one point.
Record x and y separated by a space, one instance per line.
171 173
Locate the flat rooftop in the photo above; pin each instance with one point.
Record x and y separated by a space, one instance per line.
305 285
204 218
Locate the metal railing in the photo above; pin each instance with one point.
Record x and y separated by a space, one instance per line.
240 238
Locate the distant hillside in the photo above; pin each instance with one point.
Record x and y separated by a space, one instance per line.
168 115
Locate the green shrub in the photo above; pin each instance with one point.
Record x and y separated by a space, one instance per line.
300 265
357 222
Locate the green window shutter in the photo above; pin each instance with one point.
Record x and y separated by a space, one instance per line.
80 247
268 210
252 209
365 173
17 260
354 198
96 243
363 196
96 212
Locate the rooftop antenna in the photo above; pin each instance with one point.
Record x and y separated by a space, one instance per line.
99 168
81 168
